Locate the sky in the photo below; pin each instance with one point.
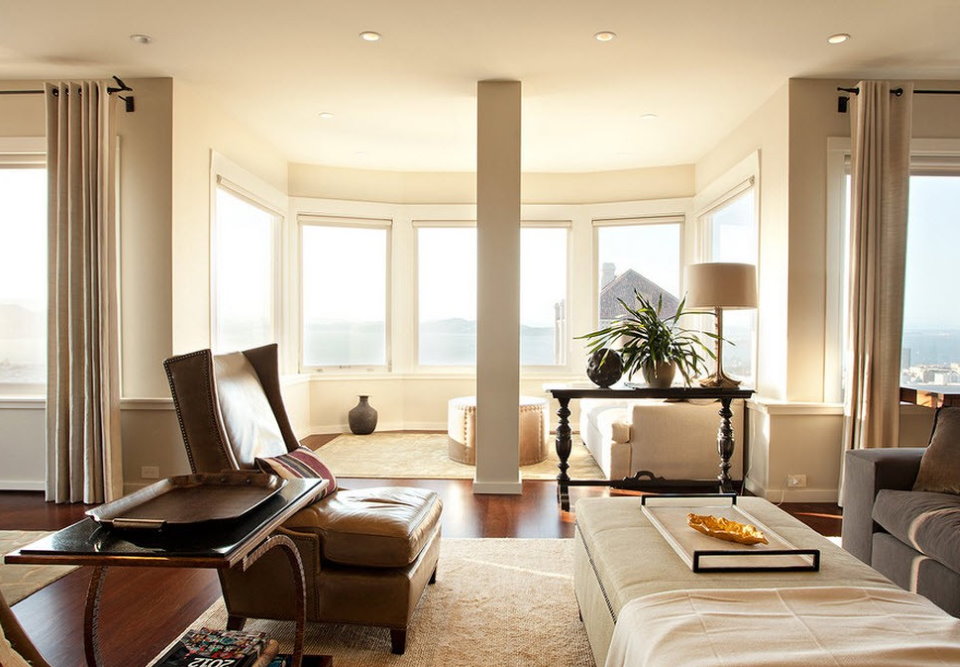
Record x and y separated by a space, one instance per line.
23 226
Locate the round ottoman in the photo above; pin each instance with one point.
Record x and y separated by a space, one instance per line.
462 429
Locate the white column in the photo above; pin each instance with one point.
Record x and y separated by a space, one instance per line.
498 287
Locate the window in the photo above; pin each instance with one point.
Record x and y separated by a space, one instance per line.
447 295
930 353
543 295
639 255
23 277
345 287
244 272
730 233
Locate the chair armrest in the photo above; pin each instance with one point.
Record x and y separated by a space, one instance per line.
865 472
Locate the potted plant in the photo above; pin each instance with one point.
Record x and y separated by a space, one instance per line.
654 345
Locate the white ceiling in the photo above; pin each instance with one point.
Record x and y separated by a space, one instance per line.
408 101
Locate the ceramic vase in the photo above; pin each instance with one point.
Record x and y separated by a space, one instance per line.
659 375
362 418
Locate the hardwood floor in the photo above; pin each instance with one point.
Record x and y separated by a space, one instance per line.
146 608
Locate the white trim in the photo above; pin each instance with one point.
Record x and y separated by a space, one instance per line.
714 191
498 488
793 408
21 485
23 403
318 220
23 145
136 404
343 428
638 220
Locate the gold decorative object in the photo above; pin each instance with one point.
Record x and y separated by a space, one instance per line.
726 529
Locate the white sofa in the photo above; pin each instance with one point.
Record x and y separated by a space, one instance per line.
675 440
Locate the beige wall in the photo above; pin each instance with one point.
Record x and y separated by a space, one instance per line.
400 187
199 126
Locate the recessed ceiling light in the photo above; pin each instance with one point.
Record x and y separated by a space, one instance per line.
370 36
361 154
326 115
604 36
648 116
141 39
839 38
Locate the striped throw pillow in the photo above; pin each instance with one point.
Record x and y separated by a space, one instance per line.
300 463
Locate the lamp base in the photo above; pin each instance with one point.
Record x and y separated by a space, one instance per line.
719 380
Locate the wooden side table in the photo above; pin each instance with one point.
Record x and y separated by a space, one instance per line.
221 545
725 437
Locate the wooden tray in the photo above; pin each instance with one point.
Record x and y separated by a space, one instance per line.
702 553
189 499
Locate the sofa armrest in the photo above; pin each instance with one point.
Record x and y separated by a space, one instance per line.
865 472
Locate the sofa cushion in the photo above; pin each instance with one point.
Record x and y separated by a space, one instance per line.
378 527
929 522
940 465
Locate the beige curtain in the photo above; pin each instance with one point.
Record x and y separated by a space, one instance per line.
83 418
878 241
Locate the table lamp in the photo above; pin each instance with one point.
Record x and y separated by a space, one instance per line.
720 285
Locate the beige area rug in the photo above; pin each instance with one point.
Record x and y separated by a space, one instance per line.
424 456
496 602
19 581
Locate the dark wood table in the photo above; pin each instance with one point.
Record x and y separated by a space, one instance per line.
235 543
645 480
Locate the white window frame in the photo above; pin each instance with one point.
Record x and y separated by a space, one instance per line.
22 152
318 220
927 156
241 183
564 351
679 219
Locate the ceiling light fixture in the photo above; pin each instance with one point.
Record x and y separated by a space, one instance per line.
604 36
839 38
370 36
326 115
139 38
648 116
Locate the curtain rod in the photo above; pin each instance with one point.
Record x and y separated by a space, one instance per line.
121 87
842 100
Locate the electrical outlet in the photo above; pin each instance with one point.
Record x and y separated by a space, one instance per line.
149 472
796 481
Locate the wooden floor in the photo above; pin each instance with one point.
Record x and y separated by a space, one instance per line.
146 608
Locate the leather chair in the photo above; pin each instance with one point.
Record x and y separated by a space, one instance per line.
368 554
13 633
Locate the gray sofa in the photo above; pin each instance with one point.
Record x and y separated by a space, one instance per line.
912 537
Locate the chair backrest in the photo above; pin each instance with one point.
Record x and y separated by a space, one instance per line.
229 407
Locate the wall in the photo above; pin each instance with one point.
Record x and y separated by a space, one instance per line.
401 187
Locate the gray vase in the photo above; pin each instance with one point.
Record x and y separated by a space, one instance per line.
660 375
362 418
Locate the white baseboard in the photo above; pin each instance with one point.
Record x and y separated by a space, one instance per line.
500 488
21 485
319 429
788 495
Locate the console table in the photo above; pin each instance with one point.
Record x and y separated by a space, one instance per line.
644 481
236 543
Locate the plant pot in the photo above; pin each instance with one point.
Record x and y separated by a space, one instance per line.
659 375
362 418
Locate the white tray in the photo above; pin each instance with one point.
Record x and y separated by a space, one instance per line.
702 553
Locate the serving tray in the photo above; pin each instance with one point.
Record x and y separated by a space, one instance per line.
189 499
702 553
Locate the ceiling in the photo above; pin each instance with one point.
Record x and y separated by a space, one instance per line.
408 101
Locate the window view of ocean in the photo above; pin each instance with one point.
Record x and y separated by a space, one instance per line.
930 359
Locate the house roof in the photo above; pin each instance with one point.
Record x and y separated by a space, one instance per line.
623 286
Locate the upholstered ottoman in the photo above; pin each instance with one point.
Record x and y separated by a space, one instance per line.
462 429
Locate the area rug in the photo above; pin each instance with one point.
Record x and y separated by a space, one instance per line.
424 456
19 581
496 602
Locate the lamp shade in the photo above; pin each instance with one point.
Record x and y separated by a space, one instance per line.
721 284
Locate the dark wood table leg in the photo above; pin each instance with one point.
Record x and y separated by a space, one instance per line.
725 445
564 445
91 618
296 565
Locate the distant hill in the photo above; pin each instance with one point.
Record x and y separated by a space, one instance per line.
20 322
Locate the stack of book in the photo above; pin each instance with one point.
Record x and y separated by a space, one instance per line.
221 648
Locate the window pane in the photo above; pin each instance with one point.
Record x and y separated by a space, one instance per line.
732 230
23 281
930 356
645 257
344 296
447 299
244 273
543 291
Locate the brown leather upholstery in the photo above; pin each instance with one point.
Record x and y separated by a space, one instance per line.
384 527
18 638
367 555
